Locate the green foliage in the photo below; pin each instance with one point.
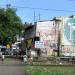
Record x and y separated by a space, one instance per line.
48 70
10 25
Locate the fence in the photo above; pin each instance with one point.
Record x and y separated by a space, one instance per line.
53 61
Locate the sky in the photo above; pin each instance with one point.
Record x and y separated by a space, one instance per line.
48 9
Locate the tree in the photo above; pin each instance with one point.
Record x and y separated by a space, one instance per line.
10 25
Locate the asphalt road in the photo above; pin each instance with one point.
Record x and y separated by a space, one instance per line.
12 67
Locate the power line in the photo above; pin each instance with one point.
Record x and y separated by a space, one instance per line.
45 9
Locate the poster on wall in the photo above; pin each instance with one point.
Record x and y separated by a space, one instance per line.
68 31
68 37
39 44
68 50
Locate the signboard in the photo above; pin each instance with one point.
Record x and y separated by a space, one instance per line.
68 50
68 31
39 44
68 36
7 46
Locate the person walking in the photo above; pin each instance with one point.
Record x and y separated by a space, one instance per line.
25 58
3 57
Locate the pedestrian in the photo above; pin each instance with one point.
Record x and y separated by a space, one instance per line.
3 57
25 58
31 60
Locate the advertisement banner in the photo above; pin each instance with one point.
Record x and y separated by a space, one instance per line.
68 31
68 36
68 50
39 44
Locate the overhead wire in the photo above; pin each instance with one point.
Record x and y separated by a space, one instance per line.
51 9
45 9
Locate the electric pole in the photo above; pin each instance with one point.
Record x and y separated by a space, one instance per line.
34 17
39 16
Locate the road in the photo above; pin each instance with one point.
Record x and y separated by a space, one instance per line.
12 67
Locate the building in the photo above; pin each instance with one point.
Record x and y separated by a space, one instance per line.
52 37
42 39
30 38
47 32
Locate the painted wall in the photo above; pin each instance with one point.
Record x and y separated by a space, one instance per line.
47 33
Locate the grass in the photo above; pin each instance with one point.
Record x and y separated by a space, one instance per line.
49 70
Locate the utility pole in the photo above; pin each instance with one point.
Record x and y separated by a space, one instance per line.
34 17
39 16
8 5
58 53
57 22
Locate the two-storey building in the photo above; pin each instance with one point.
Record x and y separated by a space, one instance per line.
42 38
